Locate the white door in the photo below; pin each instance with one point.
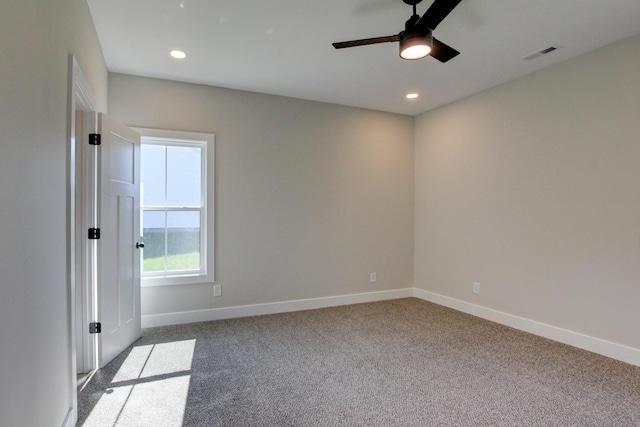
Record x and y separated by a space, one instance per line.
118 256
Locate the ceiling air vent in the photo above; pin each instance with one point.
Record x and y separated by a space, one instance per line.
540 53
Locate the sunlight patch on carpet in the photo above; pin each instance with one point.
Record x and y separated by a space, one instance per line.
149 389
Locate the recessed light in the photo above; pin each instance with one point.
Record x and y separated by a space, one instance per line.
412 95
178 54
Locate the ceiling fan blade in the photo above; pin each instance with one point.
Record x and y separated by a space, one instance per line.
435 14
443 52
363 42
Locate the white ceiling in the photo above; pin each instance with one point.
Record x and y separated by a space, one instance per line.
283 47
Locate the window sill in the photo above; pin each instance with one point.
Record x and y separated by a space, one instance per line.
187 279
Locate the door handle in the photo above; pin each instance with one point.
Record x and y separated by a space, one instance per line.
139 245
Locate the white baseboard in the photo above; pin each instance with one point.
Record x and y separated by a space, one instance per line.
575 339
166 319
585 342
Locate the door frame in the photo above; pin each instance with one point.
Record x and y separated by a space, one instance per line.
84 123
80 106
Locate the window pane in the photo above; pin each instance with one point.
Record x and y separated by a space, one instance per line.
184 176
153 161
173 209
153 236
183 241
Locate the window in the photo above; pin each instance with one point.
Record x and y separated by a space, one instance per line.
174 215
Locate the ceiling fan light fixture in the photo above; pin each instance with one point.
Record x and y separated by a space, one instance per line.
415 46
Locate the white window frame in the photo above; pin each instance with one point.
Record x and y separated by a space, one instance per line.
205 141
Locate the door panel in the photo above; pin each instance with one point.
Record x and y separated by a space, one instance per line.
118 286
122 155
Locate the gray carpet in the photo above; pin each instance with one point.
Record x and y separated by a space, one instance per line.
404 362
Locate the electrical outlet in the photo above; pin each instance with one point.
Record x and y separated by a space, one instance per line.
374 277
476 287
217 290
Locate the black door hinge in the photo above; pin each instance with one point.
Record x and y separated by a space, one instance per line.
94 139
94 233
95 327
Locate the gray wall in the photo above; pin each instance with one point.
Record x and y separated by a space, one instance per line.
36 378
533 190
310 198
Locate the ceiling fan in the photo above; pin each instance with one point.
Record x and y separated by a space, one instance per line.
417 41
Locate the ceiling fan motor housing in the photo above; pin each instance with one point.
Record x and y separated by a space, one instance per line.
405 35
415 43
